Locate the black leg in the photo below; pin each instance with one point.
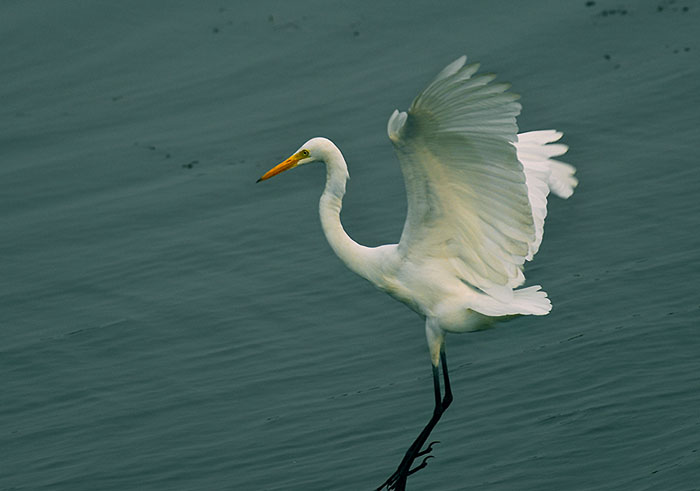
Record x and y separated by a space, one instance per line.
448 390
397 481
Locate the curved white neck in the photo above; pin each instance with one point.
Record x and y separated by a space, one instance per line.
355 256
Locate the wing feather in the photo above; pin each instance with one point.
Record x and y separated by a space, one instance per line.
535 151
467 192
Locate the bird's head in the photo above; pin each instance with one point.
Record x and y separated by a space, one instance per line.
314 150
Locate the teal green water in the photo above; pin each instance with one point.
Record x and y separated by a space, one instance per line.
167 324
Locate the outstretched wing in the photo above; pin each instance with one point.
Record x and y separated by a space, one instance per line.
467 192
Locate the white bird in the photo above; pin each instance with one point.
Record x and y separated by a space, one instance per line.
477 199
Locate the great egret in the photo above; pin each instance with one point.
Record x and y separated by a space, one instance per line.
477 199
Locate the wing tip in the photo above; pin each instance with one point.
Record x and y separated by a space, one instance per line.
451 69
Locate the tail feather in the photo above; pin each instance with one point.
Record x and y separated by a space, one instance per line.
531 301
525 301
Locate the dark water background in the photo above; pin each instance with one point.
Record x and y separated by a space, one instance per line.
166 324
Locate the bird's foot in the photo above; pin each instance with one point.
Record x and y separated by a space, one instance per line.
397 481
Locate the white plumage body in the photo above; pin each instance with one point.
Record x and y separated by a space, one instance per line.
477 200
431 285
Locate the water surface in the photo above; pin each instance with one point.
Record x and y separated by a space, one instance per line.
168 324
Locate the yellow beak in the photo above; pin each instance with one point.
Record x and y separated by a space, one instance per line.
290 163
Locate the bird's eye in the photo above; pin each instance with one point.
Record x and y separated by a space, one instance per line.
305 153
